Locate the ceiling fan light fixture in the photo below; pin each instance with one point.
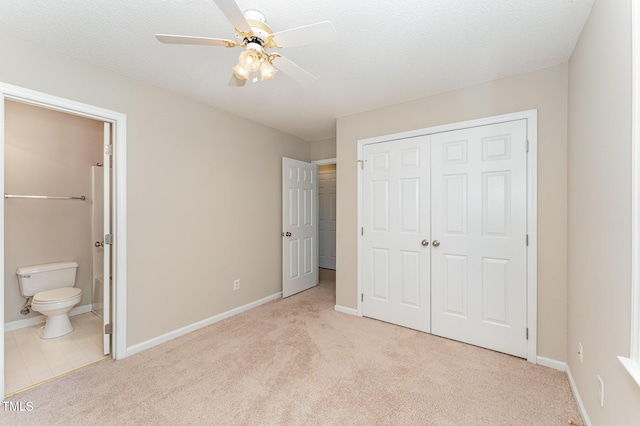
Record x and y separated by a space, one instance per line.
256 38
250 60
267 71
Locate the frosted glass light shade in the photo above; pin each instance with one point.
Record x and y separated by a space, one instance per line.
250 60
267 71
241 72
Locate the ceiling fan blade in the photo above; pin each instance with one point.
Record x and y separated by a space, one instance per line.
206 41
233 13
294 71
235 81
321 32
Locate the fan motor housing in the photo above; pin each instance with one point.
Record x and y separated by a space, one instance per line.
257 22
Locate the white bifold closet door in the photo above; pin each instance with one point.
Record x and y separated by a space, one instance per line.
395 200
478 216
444 234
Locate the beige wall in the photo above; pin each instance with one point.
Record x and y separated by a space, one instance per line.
599 245
545 90
323 150
47 153
204 192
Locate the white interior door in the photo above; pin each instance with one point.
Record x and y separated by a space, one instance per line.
97 236
106 287
327 218
395 234
299 226
478 228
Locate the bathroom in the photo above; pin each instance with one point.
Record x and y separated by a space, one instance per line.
54 154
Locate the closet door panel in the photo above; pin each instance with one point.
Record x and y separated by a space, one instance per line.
395 200
478 205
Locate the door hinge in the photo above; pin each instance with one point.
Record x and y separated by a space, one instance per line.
108 329
362 297
527 146
527 334
108 149
527 240
108 239
361 164
362 231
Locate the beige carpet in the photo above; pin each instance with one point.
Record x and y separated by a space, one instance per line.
297 361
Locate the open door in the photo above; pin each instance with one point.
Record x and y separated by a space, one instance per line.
108 239
299 226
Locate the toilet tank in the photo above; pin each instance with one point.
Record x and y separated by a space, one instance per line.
48 276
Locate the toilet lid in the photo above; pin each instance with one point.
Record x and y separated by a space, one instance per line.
57 295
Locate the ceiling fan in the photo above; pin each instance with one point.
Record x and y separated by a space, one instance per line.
259 43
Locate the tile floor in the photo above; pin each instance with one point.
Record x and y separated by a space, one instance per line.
30 360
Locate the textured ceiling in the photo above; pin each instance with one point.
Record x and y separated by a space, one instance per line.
387 52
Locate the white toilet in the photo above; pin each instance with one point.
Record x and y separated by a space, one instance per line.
54 294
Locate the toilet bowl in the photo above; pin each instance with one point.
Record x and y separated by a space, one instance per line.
55 306
52 287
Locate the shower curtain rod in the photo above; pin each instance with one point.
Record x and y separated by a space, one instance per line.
45 197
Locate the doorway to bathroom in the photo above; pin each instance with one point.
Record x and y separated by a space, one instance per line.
61 204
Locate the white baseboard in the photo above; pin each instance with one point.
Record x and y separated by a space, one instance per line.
81 310
28 322
551 363
562 366
131 350
576 394
346 310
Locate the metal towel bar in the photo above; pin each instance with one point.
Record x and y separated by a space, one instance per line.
45 197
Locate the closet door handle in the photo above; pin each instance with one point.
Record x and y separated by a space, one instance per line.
425 243
435 243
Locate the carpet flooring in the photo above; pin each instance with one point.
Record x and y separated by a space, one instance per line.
296 361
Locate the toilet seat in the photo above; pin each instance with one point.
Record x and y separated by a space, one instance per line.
57 295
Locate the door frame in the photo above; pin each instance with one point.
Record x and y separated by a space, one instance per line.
119 209
531 116
631 361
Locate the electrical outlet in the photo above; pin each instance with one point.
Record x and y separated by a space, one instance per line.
601 391
236 284
580 352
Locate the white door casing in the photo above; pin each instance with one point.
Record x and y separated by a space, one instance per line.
327 219
395 232
299 226
478 269
106 268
